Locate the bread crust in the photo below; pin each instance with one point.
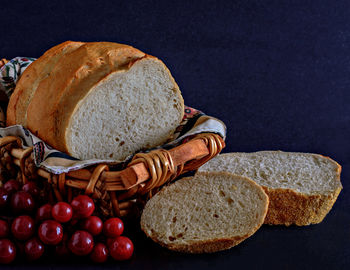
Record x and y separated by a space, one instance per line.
211 245
289 207
30 79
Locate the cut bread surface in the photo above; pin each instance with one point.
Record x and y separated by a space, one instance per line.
127 111
302 172
302 187
205 213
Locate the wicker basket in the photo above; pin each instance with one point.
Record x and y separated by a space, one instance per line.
117 190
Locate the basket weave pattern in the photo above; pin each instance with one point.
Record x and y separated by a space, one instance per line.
116 192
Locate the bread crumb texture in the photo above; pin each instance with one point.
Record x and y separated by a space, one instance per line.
302 187
127 111
205 213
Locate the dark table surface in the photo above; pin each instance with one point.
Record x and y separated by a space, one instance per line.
277 73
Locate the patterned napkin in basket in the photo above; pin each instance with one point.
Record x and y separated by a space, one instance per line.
194 122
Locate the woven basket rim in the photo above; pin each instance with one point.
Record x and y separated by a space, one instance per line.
143 176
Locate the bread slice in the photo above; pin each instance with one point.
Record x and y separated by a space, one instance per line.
205 213
302 187
99 100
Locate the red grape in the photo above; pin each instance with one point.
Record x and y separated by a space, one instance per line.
44 212
121 248
50 232
100 253
113 227
22 202
4 197
93 225
31 188
62 212
4 229
22 227
83 206
34 249
7 251
12 186
81 243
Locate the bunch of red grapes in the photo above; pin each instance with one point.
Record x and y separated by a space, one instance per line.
29 229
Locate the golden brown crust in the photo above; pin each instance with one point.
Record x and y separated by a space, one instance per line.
289 207
209 246
31 77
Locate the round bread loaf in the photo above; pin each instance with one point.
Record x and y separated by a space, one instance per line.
97 100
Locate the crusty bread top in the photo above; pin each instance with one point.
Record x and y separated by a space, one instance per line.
301 172
205 213
37 73
70 67
30 79
52 87
74 75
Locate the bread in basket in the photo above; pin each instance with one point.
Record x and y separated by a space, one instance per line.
117 187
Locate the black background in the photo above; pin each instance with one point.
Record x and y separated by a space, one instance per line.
276 72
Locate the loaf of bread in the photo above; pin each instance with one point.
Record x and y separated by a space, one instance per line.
97 100
302 187
205 213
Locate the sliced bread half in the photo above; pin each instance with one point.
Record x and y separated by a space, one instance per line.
97 100
302 187
205 213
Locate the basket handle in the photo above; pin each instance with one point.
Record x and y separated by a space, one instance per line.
195 149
